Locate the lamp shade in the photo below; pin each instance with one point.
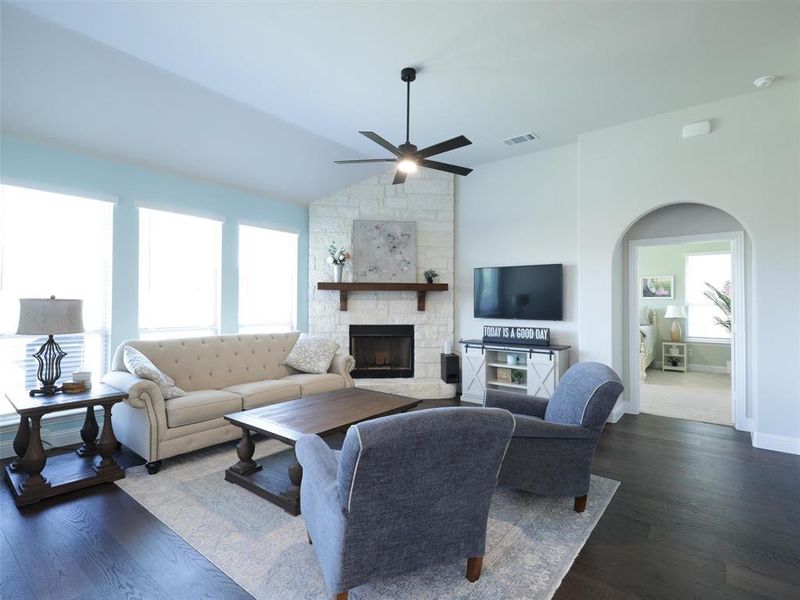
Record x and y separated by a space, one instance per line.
675 311
49 316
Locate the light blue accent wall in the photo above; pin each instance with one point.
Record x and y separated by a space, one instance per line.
33 164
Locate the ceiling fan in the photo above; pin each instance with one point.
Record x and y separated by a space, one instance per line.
407 157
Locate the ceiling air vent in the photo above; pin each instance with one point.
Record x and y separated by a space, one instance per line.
520 139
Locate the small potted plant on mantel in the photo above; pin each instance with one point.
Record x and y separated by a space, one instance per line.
337 257
430 275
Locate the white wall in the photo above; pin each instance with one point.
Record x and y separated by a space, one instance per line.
574 205
747 167
519 211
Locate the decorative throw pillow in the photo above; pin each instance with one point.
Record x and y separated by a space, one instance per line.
141 366
311 354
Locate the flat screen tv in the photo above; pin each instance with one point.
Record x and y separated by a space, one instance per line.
531 292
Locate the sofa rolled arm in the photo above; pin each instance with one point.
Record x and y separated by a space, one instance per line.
319 468
316 458
140 391
533 427
342 364
518 404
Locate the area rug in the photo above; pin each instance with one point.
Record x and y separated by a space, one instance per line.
531 542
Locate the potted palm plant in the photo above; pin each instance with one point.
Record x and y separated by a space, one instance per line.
722 300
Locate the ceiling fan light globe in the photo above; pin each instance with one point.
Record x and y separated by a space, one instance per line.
407 165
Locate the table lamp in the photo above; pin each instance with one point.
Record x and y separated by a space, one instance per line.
49 316
675 312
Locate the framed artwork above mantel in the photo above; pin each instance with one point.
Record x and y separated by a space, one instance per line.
384 251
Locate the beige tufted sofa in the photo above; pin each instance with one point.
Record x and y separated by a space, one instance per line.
222 374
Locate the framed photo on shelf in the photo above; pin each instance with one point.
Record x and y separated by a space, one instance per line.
658 287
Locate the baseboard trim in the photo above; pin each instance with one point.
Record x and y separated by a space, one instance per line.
471 400
708 369
620 408
695 368
778 443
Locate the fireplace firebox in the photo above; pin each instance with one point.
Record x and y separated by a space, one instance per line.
382 350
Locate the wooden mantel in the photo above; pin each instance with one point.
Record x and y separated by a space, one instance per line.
343 288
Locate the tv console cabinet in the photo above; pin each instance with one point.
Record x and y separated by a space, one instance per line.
533 370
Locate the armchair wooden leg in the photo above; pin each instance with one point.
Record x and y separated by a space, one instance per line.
341 596
308 535
580 503
474 565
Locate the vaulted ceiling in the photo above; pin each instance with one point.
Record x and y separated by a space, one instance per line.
265 96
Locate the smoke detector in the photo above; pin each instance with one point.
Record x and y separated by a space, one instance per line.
763 82
520 139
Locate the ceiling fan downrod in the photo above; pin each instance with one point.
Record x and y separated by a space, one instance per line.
408 75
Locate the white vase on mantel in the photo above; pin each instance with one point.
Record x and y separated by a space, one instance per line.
337 273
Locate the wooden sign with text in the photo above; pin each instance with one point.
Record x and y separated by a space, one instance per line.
531 336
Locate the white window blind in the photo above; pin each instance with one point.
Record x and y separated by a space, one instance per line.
53 244
713 268
267 280
179 274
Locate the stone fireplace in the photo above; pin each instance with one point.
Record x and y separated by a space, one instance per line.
382 351
427 198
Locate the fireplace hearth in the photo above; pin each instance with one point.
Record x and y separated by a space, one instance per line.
382 351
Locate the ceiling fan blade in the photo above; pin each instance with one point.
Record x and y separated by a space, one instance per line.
365 160
440 166
380 141
399 177
456 142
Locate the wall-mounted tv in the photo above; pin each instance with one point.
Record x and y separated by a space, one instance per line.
530 292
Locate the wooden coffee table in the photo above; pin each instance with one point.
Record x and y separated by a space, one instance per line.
277 477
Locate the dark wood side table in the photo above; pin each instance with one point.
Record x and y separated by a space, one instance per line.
31 476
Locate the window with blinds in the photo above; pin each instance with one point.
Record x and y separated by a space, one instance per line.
179 274
53 244
701 269
267 280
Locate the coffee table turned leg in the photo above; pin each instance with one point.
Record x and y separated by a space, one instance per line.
34 460
107 446
295 476
245 450
89 434
21 443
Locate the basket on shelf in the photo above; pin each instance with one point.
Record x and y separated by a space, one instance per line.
503 375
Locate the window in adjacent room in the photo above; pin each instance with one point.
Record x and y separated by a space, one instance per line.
267 280
179 274
702 268
53 244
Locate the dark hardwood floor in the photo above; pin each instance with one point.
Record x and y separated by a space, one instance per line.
699 514
100 544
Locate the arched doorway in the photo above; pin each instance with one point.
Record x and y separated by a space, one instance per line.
672 227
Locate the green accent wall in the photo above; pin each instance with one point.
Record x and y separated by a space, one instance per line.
670 260
33 164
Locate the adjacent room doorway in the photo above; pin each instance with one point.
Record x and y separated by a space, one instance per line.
686 327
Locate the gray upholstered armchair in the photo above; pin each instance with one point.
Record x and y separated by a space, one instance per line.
554 441
406 490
